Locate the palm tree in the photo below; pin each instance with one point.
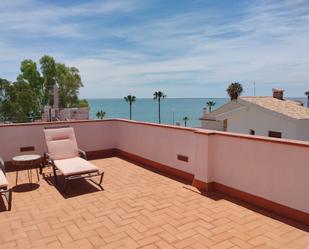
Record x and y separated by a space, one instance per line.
307 94
158 96
130 99
210 104
100 114
185 118
234 90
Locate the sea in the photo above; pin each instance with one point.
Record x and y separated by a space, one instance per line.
173 110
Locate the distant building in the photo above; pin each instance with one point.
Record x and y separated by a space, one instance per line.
264 116
55 113
63 114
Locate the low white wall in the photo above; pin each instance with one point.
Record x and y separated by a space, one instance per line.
275 171
91 136
158 143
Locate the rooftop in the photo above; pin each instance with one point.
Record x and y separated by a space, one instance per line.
139 208
286 107
142 208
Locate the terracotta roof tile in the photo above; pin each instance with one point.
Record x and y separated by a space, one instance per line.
286 107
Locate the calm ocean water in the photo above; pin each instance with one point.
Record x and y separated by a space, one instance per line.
172 109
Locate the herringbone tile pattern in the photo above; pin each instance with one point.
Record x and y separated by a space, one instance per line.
138 209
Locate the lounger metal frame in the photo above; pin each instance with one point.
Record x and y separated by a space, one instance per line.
5 190
68 178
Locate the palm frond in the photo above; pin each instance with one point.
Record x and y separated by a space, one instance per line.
130 99
159 95
234 90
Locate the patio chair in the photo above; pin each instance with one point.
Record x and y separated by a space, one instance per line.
4 190
65 157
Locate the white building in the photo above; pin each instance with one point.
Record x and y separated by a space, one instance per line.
263 116
55 113
65 114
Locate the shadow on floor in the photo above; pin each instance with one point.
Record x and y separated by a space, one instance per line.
3 206
25 187
74 188
184 181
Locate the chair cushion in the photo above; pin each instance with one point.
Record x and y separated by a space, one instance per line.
61 143
75 166
3 181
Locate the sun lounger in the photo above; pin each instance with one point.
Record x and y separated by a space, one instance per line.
65 157
4 190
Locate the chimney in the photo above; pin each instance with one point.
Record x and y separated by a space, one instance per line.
278 93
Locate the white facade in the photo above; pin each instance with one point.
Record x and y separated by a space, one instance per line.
303 130
261 123
64 114
248 118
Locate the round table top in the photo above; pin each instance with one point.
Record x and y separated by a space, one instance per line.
25 158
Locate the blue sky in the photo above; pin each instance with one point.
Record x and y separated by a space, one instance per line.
186 48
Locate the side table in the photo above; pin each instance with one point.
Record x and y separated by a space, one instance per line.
27 162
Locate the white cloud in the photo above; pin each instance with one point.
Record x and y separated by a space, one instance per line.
185 52
268 45
34 17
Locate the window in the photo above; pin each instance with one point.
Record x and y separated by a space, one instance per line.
252 132
275 134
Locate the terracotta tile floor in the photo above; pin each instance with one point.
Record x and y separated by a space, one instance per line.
138 209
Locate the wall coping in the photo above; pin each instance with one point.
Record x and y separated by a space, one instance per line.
55 122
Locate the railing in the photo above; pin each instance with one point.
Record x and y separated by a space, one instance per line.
275 170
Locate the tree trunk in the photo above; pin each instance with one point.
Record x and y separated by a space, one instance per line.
130 111
308 102
159 110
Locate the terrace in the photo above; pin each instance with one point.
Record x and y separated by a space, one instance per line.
165 187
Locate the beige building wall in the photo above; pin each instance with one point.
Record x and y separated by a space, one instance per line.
63 114
212 125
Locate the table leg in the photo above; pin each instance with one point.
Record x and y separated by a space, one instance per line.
37 173
16 177
29 177
41 168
